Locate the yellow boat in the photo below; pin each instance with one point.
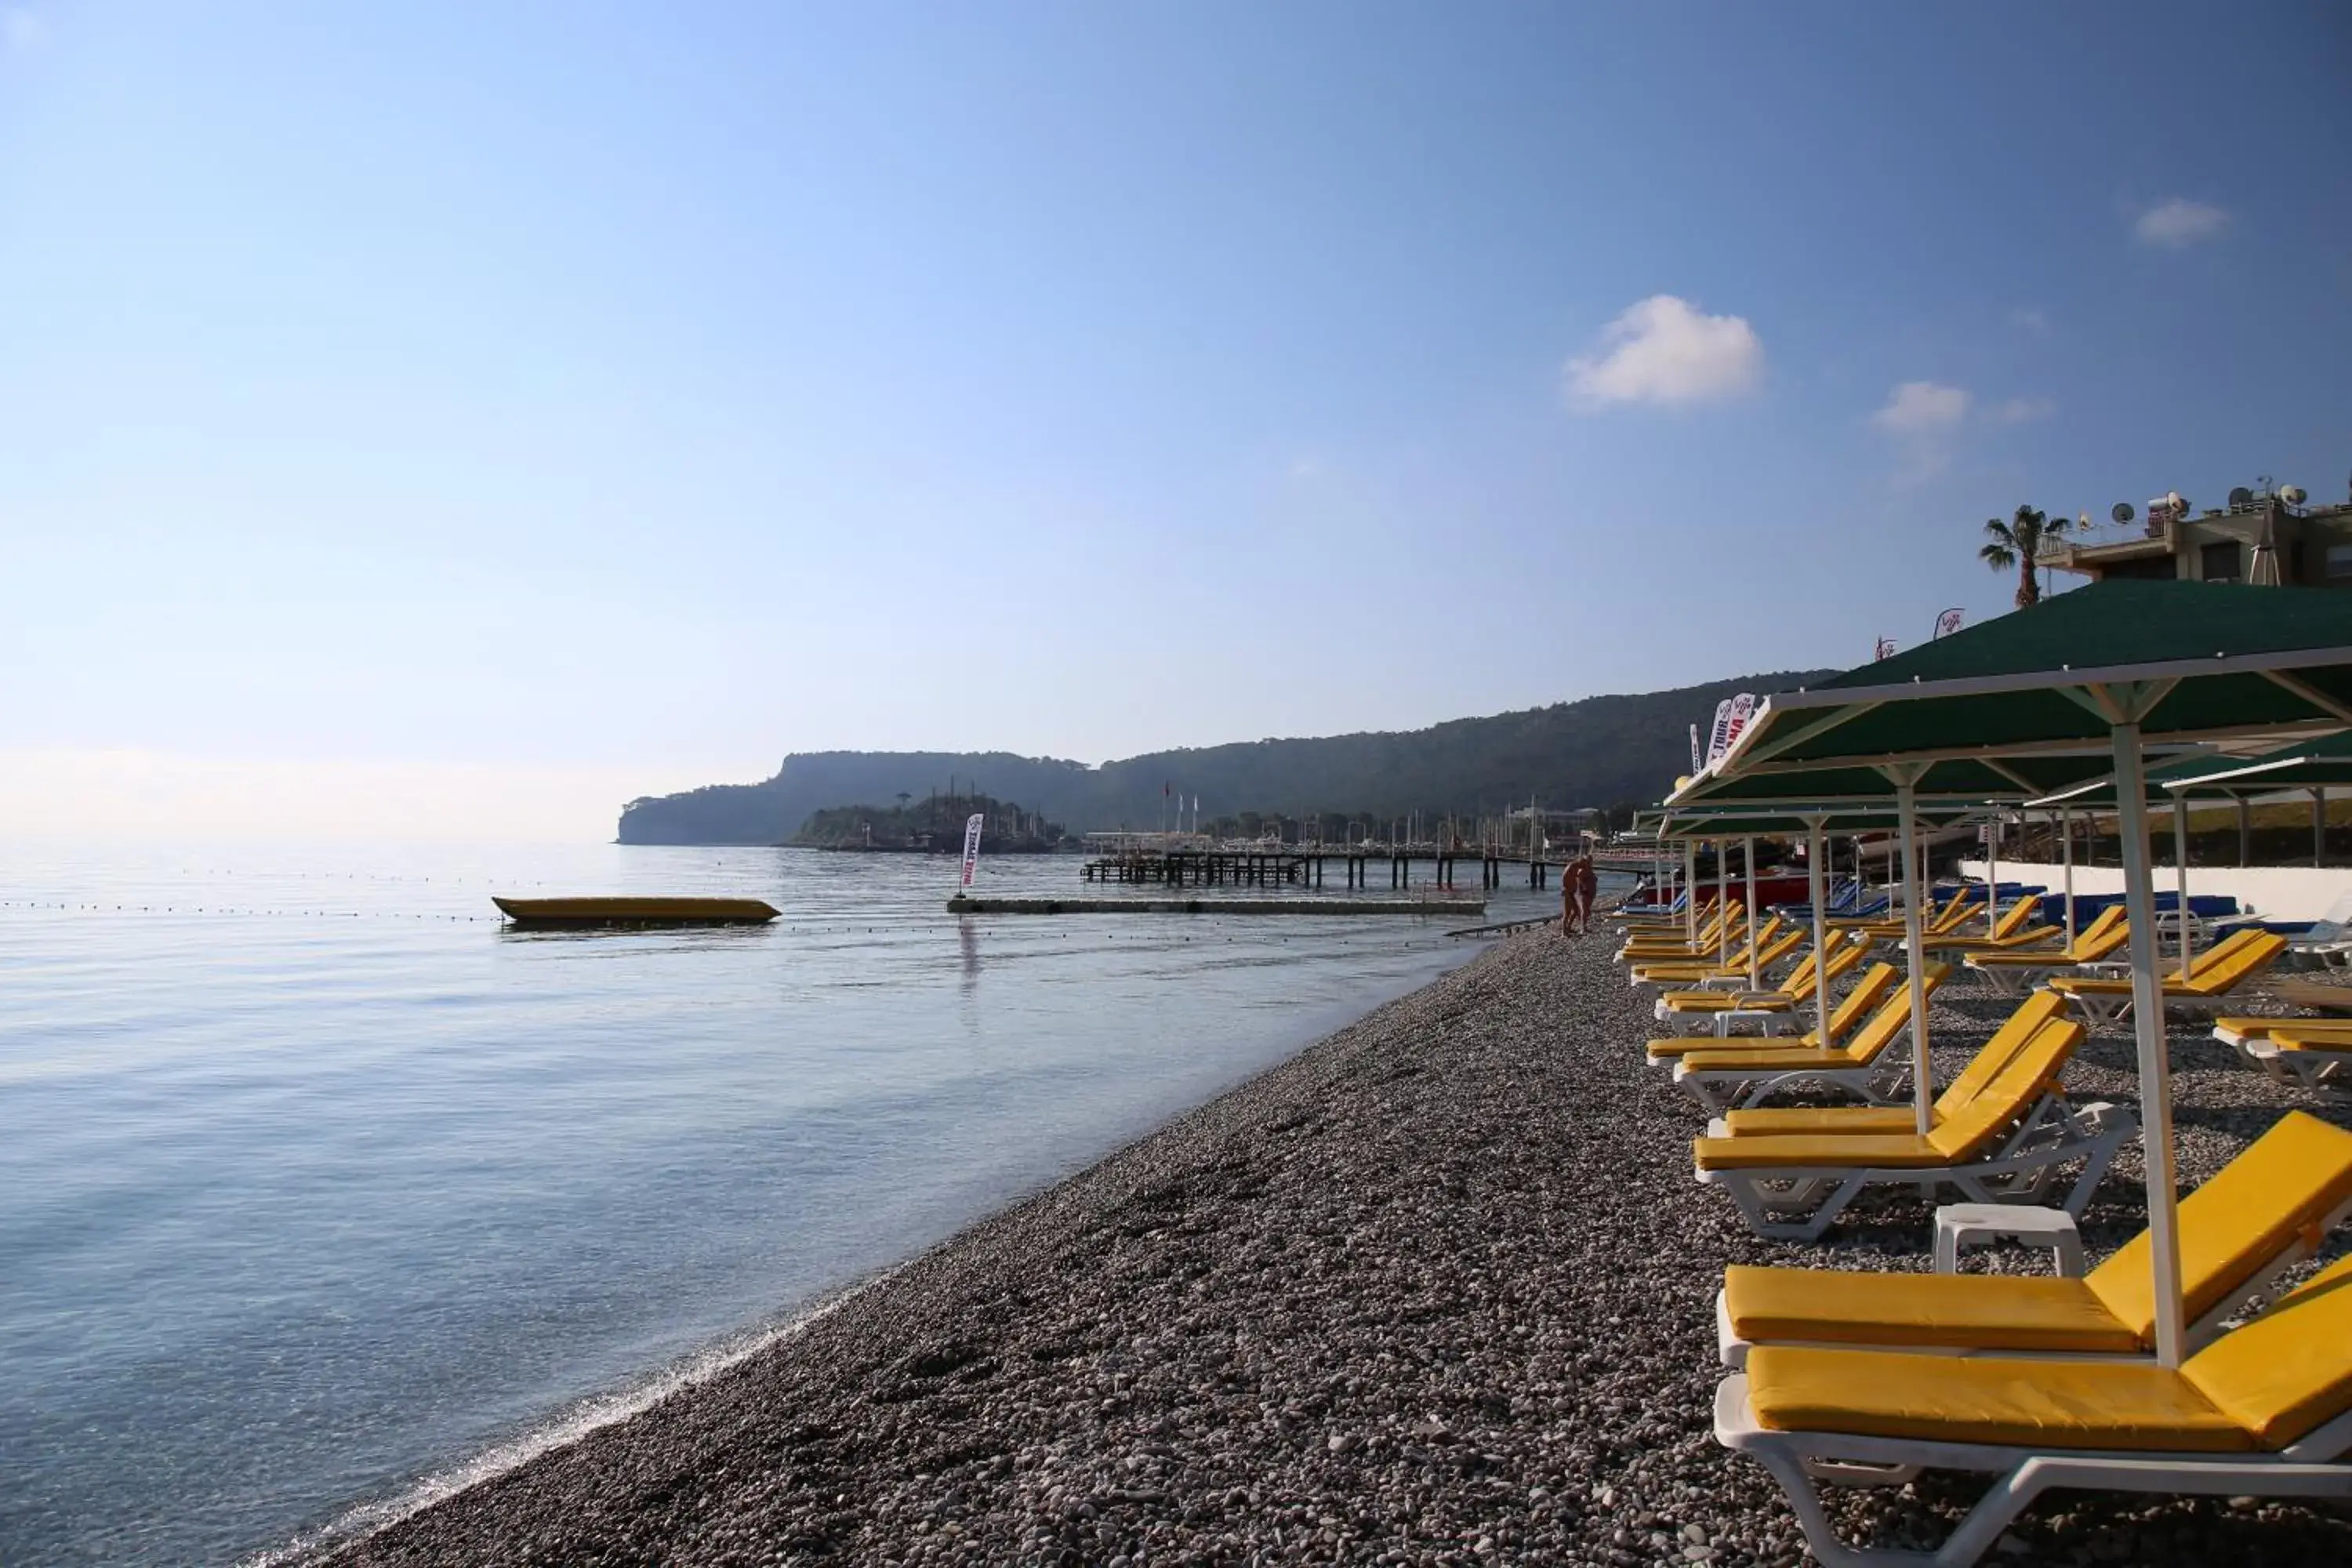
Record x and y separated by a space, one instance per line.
637 911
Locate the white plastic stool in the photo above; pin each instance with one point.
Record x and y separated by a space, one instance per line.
1971 1224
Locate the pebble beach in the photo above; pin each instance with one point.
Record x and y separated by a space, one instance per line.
1437 1290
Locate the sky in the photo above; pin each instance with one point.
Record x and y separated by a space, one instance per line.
456 420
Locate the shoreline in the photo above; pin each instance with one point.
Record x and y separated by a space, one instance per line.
1436 1288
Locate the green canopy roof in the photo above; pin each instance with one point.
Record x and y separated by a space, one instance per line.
1796 821
2183 660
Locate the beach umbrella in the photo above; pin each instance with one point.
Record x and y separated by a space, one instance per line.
2120 662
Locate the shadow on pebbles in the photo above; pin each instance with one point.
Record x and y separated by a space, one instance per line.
1437 1290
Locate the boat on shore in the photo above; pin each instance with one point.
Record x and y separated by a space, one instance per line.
637 911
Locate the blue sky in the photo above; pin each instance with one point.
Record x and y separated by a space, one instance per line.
561 402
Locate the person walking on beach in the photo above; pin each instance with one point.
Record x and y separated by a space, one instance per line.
1568 899
1588 888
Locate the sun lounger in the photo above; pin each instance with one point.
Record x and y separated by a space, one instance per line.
1933 922
1707 950
2238 1031
2233 962
2268 1208
1686 1008
2007 1146
1674 943
2014 931
2014 971
1869 992
2265 1410
2040 1008
2311 1055
1719 1076
1736 968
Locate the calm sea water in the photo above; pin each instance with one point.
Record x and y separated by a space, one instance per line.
322 1190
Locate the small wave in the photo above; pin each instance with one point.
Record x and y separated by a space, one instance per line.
601 1410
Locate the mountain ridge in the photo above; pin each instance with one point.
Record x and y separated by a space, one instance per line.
1599 751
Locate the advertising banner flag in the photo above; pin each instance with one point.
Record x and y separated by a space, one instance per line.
1886 648
1949 622
1720 735
1743 709
1695 763
970 847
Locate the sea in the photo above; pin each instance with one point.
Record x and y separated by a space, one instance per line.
323 1191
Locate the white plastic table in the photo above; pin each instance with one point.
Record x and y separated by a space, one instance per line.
1971 1224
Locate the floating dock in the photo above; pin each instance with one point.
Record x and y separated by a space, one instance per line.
637 911
1454 904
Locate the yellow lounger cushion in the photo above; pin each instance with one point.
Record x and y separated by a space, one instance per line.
1886 1151
2289 1369
1792 1058
1729 1001
2303 1037
1985 1312
2235 1219
2040 1009
2276 1193
1770 1120
1959 1138
2126 1405
2258 1387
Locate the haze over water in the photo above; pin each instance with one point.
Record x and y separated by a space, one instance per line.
321 1182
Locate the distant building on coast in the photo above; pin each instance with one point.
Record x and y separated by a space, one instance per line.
2263 538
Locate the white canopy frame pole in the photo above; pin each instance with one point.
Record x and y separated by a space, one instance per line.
1722 903
1992 873
2181 876
1690 891
2147 1027
1755 958
2066 837
1907 818
1817 884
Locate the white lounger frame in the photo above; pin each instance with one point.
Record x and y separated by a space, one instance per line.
2324 1072
2021 1170
1733 1350
1879 1081
2099 1008
2310 1468
2013 979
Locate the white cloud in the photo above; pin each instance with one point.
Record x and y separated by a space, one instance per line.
2178 222
20 29
1665 349
1921 408
2018 410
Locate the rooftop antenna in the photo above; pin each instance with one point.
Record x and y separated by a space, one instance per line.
2240 496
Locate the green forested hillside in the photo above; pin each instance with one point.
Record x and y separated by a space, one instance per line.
1602 750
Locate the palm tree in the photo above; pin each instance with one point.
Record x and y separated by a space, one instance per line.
2016 543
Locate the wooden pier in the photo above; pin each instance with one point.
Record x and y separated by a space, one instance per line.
1430 903
1304 867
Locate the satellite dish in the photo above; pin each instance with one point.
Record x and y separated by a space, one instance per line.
2083 521
2292 495
2172 499
2122 512
2240 496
